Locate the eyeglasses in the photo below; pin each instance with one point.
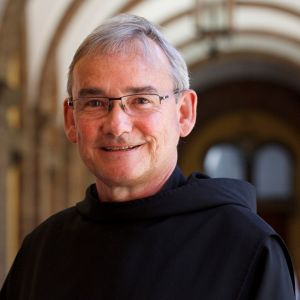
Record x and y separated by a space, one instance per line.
134 105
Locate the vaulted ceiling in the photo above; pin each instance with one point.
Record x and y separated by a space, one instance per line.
201 29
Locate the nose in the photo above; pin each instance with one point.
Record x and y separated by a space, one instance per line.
117 122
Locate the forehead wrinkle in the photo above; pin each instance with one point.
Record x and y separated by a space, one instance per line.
95 91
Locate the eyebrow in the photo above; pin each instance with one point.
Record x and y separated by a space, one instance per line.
90 91
94 91
143 89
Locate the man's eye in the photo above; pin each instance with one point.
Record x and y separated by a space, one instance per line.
142 100
95 103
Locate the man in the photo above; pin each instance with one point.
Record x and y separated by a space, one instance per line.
144 231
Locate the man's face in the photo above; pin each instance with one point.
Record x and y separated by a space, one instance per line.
123 150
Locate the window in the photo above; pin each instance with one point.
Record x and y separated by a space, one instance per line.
272 172
270 168
225 160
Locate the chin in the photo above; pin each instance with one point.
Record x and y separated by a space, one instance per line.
120 176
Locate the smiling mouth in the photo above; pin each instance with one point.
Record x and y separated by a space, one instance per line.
118 148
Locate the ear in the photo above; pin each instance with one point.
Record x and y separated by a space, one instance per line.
69 122
187 112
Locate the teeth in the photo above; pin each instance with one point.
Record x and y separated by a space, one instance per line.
118 148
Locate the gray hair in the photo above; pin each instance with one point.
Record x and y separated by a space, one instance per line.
115 36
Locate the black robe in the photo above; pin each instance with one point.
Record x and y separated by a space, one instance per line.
196 239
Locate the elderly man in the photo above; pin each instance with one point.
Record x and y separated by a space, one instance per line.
143 230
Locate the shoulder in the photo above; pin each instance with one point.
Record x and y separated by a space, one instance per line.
238 229
270 272
242 220
265 255
54 225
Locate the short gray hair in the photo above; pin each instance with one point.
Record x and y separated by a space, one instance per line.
114 36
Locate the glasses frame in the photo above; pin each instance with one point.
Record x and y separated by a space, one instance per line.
70 100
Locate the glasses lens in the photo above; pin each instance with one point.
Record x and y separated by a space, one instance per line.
141 104
92 105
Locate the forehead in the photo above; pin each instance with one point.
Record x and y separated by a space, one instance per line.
132 67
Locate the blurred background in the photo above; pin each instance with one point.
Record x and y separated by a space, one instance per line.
244 61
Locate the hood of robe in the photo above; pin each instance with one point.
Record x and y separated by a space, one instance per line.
179 196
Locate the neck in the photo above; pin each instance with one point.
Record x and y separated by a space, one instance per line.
121 193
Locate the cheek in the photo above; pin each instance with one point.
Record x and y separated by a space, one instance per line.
153 127
161 130
86 131
171 132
